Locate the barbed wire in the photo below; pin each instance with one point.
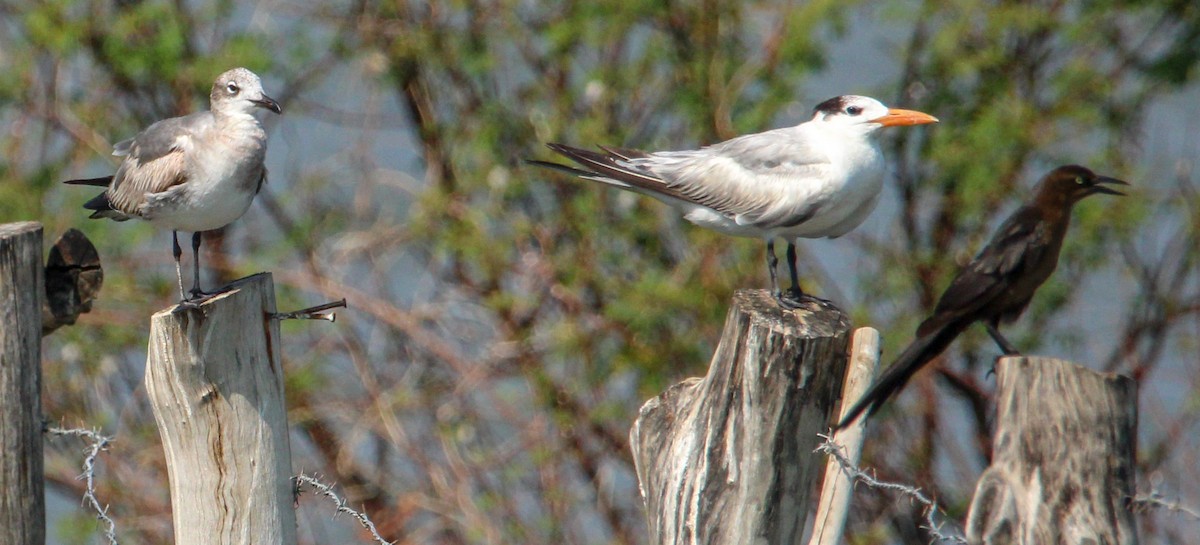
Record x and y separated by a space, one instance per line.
1156 500
341 503
97 444
857 475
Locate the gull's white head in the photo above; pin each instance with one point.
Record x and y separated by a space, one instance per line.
865 115
240 91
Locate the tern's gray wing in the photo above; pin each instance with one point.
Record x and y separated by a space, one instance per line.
155 160
770 180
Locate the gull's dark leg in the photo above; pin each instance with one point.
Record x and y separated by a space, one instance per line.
196 291
178 253
1005 346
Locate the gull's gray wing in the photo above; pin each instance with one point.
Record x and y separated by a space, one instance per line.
155 160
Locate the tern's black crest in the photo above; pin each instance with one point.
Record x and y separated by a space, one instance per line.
832 106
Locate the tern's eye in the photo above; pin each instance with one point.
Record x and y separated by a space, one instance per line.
854 110
233 88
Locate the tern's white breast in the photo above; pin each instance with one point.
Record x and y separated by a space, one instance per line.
849 191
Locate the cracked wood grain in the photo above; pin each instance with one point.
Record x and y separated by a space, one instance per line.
1062 468
22 504
728 458
215 382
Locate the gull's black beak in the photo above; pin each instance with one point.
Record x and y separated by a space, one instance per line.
268 103
1097 188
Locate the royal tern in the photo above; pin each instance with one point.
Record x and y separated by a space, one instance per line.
820 178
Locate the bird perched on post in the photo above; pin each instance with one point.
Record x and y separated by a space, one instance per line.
821 178
998 284
193 173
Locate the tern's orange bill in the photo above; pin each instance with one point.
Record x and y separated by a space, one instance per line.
897 117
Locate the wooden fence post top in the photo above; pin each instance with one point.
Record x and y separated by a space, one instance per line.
814 321
22 506
19 227
7 229
1053 376
215 381
1062 466
728 458
261 282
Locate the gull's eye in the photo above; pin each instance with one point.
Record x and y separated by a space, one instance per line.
854 110
233 88
1079 180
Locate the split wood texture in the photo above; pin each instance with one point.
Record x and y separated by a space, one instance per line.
215 381
729 458
22 507
1062 467
834 504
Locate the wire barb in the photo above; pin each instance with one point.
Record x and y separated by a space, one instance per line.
1156 500
318 312
98 444
342 506
857 475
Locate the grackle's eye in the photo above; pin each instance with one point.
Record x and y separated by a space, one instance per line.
1079 180
854 110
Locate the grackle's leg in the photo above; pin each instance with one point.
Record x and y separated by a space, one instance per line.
1005 346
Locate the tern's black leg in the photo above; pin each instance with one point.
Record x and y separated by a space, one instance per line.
178 253
772 265
196 291
795 297
794 292
1005 346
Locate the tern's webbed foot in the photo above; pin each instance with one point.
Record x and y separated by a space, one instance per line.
794 299
791 299
786 301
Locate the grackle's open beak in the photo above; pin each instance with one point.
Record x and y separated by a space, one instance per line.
1097 188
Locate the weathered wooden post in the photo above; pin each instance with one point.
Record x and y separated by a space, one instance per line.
215 381
834 505
1063 462
22 507
729 458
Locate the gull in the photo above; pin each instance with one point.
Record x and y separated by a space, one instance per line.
194 173
821 178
